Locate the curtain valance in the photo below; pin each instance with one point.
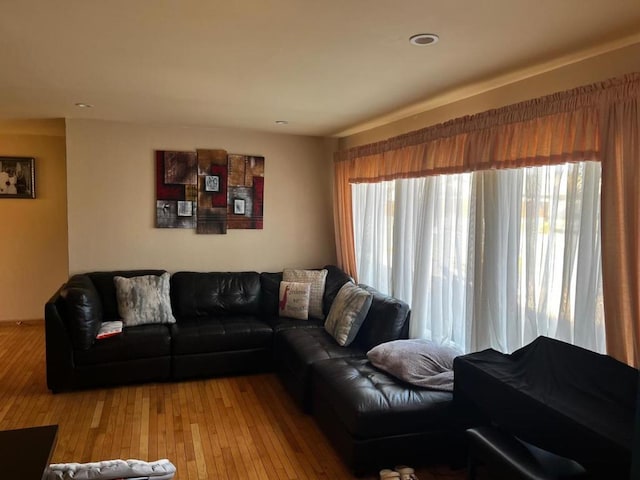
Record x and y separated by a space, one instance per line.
557 128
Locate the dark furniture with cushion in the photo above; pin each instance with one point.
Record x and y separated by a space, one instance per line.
228 323
556 396
73 317
509 458
296 351
225 324
374 420
219 327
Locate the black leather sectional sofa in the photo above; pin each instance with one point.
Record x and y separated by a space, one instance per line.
227 323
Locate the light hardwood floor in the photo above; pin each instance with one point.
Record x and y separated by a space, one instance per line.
224 428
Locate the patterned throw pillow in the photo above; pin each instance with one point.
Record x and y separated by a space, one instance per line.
317 279
347 313
143 300
294 300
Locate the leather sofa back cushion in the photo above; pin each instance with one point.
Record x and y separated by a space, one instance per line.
195 294
82 309
270 291
106 288
336 278
387 320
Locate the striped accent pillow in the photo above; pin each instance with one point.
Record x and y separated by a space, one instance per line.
347 313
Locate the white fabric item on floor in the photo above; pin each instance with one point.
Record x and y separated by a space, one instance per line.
112 469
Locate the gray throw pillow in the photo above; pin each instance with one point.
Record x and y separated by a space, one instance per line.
143 300
347 313
419 362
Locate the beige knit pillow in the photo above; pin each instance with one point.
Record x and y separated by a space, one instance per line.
317 279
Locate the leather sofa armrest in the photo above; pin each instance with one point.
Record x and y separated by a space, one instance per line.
80 308
387 320
59 349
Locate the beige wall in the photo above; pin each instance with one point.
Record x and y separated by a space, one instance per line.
110 177
111 201
34 239
594 69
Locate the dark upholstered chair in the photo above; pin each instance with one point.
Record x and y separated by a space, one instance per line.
507 457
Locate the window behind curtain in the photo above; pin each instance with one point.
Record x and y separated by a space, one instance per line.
491 258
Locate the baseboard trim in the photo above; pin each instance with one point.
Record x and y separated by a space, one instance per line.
22 323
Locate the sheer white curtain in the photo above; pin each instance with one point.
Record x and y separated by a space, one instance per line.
489 259
373 232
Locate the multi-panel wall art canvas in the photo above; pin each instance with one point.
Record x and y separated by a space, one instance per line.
176 189
209 190
212 201
246 191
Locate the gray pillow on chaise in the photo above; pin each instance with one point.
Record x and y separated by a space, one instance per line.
419 362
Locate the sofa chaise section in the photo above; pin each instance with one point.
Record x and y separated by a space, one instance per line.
373 420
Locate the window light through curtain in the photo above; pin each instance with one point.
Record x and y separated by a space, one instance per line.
597 122
488 259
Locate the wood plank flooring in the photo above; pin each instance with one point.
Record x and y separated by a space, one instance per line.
224 428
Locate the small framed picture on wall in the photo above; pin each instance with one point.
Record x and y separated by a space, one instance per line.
238 206
212 183
17 177
185 208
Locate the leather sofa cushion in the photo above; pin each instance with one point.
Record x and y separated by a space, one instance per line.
298 349
106 288
220 334
134 343
195 294
285 323
336 278
370 403
387 320
270 293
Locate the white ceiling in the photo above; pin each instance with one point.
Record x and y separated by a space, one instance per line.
323 65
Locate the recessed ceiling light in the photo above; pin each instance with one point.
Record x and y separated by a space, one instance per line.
84 105
281 122
423 39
